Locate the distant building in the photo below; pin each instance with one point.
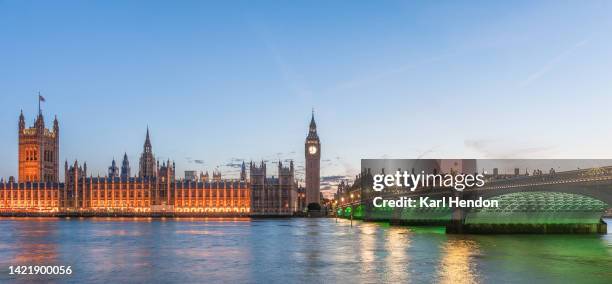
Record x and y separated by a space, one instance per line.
347 193
243 174
301 198
204 177
216 175
191 175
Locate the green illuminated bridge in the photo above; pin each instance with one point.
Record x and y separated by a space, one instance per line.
565 202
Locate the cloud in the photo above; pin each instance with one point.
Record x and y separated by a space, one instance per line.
201 162
553 62
505 150
233 165
477 144
332 180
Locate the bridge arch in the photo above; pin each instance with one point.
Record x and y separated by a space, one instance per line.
597 190
357 211
539 207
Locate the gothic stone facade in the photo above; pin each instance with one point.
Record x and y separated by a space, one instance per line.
156 189
38 151
275 195
312 152
126 195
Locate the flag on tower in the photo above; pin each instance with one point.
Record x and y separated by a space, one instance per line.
40 99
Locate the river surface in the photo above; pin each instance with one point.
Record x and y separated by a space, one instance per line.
292 250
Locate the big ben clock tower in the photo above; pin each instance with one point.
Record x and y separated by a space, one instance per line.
312 150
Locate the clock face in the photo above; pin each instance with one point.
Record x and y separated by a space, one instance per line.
312 150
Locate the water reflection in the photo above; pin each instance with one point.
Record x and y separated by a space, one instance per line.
397 260
33 242
190 250
457 264
366 245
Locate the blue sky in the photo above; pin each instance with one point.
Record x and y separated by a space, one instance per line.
231 80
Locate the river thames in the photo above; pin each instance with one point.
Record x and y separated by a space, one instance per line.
292 250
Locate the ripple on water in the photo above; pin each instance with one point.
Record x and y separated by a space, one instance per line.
192 249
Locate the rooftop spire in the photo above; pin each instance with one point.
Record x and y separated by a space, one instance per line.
312 121
55 125
312 131
147 139
21 121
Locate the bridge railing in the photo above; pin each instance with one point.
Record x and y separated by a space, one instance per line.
576 176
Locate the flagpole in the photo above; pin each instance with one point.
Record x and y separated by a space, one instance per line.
39 102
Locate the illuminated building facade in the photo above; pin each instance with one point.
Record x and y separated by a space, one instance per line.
38 151
155 190
164 193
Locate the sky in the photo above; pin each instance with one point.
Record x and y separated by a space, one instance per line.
219 82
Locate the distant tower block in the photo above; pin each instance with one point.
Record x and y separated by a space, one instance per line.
38 150
312 152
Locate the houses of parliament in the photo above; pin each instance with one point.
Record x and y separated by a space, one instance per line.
155 189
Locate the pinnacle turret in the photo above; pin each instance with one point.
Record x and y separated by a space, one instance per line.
312 130
21 121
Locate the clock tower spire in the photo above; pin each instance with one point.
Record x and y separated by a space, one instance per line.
312 151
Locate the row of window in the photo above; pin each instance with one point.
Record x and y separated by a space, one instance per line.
117 203
100 195
48 156
26 195
32 155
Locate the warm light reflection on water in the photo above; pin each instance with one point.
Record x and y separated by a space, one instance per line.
367 246
458 264
34 252
398 260
237 250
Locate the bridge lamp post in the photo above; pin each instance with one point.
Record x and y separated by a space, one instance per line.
352 210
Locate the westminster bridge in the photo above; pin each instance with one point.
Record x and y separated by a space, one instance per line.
560 202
